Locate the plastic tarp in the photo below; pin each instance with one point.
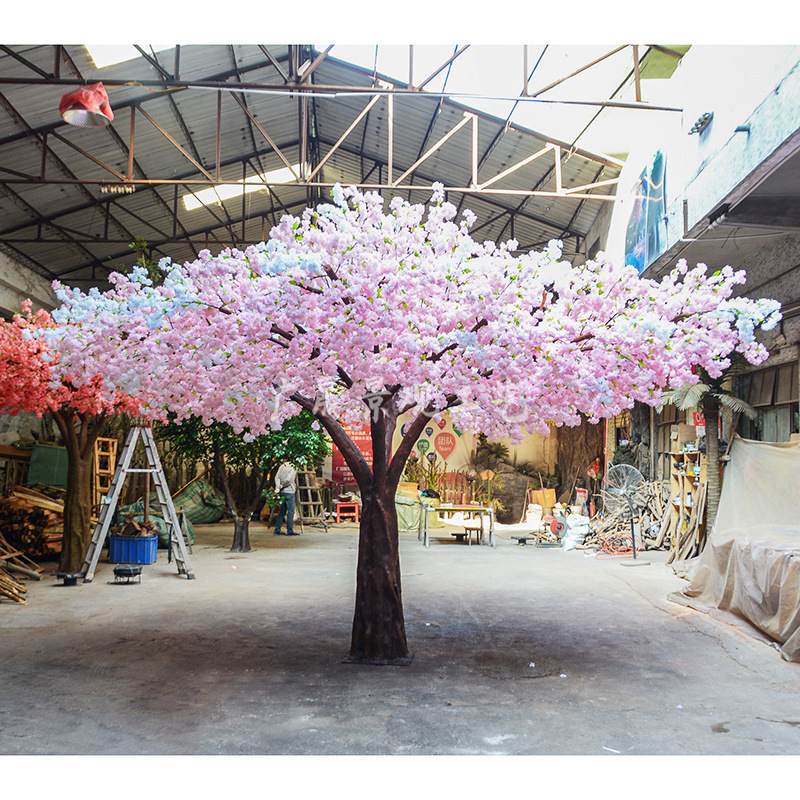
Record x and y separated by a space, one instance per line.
750 565
407 512
198 500
48 465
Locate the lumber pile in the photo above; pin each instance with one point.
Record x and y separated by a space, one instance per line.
651 520
14 566
689 534
10 587
32 522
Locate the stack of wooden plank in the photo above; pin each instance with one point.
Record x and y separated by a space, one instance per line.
14 566
689 534
651 519
10 587
33 522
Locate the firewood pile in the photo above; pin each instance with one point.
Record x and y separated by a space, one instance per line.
134 528
651 521
14 567
32 521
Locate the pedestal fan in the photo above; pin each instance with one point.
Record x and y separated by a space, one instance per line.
620 486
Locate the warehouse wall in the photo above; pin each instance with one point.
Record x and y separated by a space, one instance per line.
17 283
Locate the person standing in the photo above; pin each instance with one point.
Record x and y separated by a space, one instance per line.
286 487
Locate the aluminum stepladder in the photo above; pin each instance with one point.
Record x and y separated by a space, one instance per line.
177 542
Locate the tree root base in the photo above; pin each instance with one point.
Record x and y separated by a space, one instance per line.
380 662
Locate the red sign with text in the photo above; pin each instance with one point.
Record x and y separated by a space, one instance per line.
445 443
700 423
341 473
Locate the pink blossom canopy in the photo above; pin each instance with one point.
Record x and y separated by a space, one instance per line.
353 301
31 379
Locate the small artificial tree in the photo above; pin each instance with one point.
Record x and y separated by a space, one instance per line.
712 395
299 440
364 314
30 381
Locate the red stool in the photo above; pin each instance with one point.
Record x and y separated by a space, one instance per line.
348 511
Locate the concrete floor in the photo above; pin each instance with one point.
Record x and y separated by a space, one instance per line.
518 650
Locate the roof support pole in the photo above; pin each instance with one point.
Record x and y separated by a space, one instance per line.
175 211
390 165
317 61
446 63
244 197
557 152
546 149
578 71
275 63
44 155
219 132
88 155
474 151
130 146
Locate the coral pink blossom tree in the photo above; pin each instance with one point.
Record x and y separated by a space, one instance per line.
30 381
361 313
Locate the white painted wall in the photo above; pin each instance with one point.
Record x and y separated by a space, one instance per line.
756 84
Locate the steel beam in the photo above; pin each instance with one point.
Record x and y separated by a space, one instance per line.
317 61
447 63
344 136
467 118
178 146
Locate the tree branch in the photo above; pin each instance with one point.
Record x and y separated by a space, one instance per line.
352 455
413 433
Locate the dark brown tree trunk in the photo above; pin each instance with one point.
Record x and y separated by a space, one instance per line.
379 634
241 534
77 512
241 520
79 443
711 416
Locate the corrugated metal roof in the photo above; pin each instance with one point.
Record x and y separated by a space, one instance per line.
74 223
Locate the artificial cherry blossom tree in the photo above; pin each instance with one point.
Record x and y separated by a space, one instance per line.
31 380
359 313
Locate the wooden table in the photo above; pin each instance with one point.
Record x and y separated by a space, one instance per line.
482 511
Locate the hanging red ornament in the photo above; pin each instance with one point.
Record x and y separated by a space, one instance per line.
87 106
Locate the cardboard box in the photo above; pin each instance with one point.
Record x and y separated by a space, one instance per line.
546 498
680 435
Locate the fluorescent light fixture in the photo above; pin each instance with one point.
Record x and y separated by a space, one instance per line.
104 55
216 194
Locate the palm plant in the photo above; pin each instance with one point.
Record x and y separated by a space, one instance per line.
712 394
